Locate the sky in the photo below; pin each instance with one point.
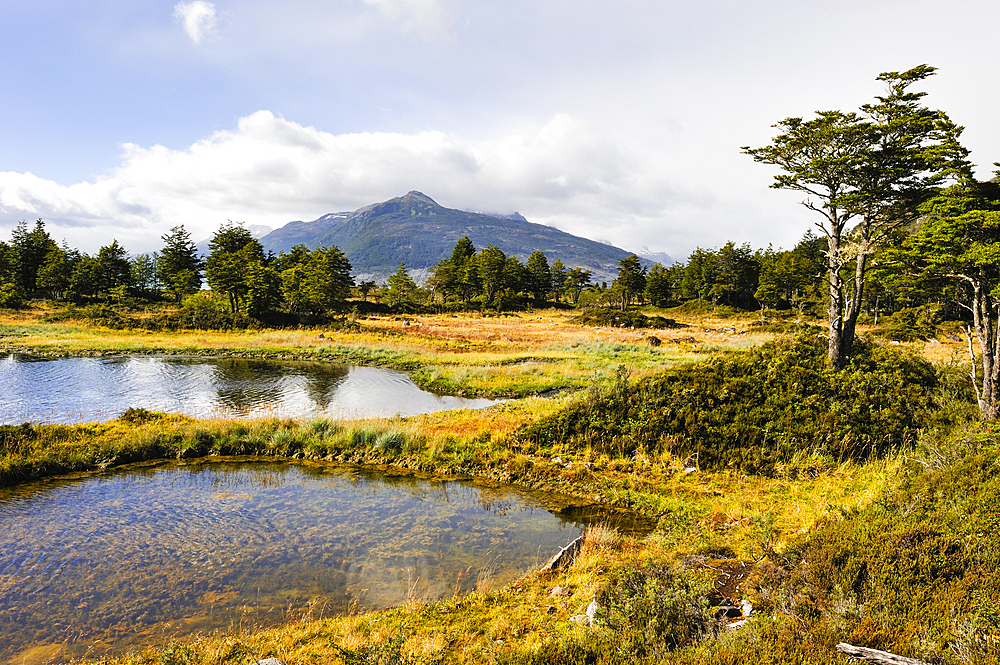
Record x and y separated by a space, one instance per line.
617 121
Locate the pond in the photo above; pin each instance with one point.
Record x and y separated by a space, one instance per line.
102 563
69 390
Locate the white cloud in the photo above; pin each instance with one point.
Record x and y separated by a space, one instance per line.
431 19
198 18
271 171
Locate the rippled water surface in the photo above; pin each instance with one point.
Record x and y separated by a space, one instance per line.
70 390
138 556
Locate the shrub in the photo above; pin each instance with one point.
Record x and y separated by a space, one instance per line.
916 573
654 610
614 318
756 410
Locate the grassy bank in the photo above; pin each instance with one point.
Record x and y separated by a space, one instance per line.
730 513
493 356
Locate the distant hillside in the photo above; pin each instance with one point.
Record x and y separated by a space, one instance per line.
415 230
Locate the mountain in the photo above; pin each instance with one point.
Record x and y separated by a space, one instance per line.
415 230
656 257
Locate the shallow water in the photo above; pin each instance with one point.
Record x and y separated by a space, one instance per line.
68 390
103 563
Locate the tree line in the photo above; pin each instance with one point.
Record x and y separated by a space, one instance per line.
251 281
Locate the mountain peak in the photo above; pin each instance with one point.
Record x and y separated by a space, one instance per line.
418 196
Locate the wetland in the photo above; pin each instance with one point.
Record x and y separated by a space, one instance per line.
71 390
99 563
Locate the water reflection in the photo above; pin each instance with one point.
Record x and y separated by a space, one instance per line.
140 556
89 389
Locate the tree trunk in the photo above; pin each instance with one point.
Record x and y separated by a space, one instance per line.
984 321
835 308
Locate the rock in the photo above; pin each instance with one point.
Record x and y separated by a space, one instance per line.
953 338
564 557
653 340
559 591
551 609
690 469
321 336
746 607
269 661
737 624
406 323
592 610
557 460
581 619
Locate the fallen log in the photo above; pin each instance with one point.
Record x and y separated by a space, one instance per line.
876 656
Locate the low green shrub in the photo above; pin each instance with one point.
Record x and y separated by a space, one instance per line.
917 572
604 316
756 410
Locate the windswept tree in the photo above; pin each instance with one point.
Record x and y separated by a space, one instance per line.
864 173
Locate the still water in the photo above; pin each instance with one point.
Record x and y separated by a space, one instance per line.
69 390
102 563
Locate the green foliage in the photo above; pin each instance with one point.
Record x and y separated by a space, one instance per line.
10 296
865 173
402 288
654 610
911 323
388 652
630 283
138 416
603 316
178 264
756 410
539 276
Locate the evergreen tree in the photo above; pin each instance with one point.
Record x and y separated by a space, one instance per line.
30 249
401 287
539 275
577 279
178 265
558 279
631 280
233 249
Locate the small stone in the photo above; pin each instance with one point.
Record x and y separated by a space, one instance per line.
592 610
581 619
321 336
269 661
746 608
559 591
690 469
557 460
551 609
